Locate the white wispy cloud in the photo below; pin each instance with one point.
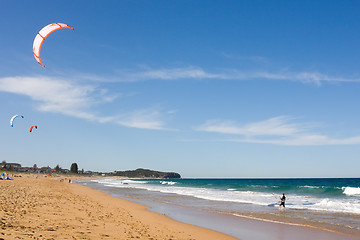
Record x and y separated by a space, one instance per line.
280 130
277 126
198 73
304 140
77 100
304 77
147 73
145 118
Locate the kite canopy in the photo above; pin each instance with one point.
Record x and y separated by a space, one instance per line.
31 128
40 37
13 118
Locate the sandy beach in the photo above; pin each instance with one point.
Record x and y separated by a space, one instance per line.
47 208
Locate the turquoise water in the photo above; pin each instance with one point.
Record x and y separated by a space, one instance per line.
329 203
319 187
329 195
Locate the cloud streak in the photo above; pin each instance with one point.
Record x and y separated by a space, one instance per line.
278 131
77 100
197 73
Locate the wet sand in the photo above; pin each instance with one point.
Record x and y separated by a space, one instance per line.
47 208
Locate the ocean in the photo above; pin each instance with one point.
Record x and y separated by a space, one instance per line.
327 203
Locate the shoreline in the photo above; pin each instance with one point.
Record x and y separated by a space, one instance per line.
47 208
304 224
203 219
245 227
52 208
149 217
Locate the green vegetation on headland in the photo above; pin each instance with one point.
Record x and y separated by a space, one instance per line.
146 173
138 173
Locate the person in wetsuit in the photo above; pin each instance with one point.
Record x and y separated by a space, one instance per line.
282 200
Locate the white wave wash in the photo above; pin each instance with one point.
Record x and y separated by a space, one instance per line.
351 191
168 183
315 187
346 204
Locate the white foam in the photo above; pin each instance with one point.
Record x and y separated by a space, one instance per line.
338 205
310 186
119 183
351 191
203 193
345 204
168 183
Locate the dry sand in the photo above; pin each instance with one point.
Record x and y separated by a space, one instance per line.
45 208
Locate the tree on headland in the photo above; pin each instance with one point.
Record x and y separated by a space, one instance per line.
35 166
74 168
57 168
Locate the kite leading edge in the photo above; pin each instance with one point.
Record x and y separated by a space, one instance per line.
42 35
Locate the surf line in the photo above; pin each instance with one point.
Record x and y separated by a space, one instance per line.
272 221
286 223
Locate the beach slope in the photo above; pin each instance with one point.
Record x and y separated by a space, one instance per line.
47 208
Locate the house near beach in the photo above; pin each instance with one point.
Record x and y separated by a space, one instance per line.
16 167
10 166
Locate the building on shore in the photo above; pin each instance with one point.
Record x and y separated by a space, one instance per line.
10 166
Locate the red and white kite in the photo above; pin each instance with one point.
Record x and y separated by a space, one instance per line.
40 37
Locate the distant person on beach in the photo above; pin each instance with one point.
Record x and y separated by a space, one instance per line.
282 200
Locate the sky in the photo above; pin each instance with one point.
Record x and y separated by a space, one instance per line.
220 89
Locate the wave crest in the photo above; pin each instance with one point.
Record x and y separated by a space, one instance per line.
351 191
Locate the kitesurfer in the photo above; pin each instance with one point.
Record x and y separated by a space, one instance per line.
282 200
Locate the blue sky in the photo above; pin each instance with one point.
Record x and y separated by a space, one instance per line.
203 88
